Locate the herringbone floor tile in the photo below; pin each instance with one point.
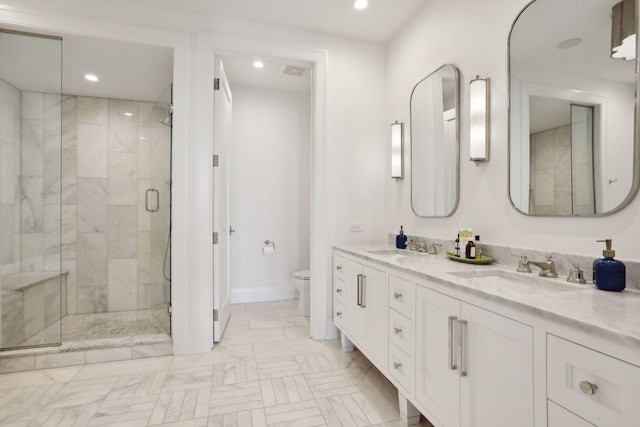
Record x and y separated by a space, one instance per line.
265 373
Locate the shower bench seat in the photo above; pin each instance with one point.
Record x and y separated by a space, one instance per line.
30 302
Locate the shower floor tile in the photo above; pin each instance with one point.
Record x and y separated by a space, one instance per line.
83 327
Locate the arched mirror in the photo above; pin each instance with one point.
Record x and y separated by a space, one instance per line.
435 144
573 148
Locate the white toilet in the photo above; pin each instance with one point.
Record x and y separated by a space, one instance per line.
302 280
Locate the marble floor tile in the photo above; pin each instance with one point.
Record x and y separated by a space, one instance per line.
265 372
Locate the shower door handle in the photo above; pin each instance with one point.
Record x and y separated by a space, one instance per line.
146 200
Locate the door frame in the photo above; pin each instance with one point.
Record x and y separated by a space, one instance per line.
321 325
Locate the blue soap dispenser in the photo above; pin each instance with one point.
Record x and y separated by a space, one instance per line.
401 240
608 273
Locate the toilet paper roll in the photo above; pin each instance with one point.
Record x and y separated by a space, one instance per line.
267 250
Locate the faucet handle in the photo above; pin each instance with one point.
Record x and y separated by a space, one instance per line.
434 248
576 275
523 265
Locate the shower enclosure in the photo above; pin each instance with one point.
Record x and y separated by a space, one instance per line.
85 207
32 284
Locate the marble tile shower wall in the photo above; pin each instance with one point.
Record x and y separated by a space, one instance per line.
107 236
9 179
551 172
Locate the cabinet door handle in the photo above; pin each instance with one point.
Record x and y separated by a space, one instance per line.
588 388
363 292
397 331
452 365
339 267
358 290
462 325
397 365
339 313
338 291
397 295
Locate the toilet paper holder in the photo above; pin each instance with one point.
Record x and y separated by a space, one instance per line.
270 243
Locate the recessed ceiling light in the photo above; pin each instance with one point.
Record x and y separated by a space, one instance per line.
128 114
569 43
91 77
360 4
258 64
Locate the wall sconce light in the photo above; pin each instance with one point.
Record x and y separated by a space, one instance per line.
397 150
623 30
479 120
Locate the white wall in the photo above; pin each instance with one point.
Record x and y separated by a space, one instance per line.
270 188
476 42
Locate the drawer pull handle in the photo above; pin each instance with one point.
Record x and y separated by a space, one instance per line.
397 331
339 313
588 388
339 267
397 295
338 291
397 365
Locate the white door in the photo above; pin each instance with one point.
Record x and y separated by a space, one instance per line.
221 148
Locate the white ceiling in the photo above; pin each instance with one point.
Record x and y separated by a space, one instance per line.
240 71
378 23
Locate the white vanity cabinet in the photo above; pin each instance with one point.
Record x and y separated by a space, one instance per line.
360 296
473 367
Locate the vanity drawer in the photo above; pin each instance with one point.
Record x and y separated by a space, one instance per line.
400 367
338 314
339 290
339 267
400 331
557 416
401 295
596 387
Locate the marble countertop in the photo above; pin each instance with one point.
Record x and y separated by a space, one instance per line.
612 315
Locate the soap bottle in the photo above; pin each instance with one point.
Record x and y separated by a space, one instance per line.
401 240
478 246
608 273
470 250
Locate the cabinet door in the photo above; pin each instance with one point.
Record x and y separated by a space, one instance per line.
373 303
437 382
497 357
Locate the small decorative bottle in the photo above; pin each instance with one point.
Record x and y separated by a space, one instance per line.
470 250
478 247
457 248
401 239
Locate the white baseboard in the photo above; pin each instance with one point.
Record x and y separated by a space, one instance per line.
248 295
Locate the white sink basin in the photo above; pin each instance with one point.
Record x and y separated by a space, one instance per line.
395 253
514 282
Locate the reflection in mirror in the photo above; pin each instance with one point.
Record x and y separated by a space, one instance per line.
572 112
435 144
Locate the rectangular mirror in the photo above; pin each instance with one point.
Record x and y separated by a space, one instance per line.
435 143
573 144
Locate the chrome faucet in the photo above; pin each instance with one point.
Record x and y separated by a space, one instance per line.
433 250
417 246
547 267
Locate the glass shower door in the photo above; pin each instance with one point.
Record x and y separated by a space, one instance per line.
158 206
32 285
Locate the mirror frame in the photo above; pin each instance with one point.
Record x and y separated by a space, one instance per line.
635 182
456 73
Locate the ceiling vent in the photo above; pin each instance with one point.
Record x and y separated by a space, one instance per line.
293 70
